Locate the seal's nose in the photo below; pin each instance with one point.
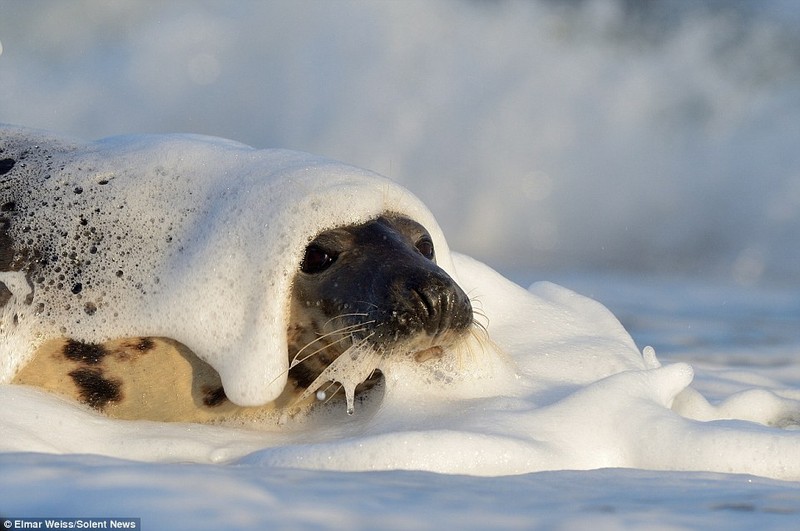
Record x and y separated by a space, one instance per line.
441 305
424 300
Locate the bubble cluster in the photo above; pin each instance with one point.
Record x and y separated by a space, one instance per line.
66 233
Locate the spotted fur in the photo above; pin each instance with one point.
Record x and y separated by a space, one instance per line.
149 378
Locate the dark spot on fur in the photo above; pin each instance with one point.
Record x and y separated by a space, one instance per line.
5 295
6 165
10 206
214 397
90 353
90 308
6 246
134 347
95 390
145 344
77 287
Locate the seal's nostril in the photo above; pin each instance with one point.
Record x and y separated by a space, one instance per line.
429 303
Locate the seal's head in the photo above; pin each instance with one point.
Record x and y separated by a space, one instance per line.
374 286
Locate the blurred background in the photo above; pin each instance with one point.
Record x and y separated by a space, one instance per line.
599 136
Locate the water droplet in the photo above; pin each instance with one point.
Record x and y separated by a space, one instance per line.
350 394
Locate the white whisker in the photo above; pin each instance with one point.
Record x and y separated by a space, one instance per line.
342 316
295 361
350 329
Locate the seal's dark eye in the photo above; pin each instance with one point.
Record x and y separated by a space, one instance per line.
316 259
425 246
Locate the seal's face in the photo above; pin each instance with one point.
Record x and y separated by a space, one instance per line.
376 284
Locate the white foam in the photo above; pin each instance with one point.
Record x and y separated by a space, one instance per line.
558 383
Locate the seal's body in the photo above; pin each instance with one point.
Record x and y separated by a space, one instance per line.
192 238
371 287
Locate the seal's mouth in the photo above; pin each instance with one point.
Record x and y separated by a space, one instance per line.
428 354
354 366
358 368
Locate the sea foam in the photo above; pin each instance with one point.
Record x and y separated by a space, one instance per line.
556 382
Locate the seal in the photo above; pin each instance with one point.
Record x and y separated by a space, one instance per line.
191 238
370 292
